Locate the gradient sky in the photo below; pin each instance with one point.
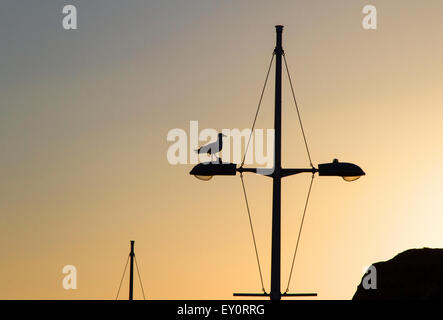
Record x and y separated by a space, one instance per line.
84 116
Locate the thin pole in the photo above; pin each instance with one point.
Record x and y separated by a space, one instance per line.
131 272
276 191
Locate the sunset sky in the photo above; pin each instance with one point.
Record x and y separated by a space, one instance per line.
84 118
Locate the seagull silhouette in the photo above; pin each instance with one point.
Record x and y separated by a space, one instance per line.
214 147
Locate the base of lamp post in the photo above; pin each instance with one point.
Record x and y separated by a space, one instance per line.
268 295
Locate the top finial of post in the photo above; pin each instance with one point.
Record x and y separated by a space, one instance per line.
279 47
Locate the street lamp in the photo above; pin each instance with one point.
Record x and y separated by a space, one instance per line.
206 170
348 171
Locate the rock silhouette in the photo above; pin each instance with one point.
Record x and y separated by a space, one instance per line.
415 274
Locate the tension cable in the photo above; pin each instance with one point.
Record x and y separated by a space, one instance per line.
252 232
298 112
258 109
121 281
299 232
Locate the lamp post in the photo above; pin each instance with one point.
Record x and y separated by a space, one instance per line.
276 184
347 171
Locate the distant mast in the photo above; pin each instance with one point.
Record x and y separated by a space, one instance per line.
131 272
133 260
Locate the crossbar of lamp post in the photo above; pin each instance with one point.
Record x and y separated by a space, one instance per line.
283 172
267 294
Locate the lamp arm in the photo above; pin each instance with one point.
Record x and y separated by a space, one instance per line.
270 172
290 172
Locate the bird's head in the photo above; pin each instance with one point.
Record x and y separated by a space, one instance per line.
221 135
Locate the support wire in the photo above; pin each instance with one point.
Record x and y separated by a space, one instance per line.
258 109
299 233
252 232
298 112
121 281
139 278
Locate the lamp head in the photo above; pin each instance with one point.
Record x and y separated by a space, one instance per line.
348 171
205 171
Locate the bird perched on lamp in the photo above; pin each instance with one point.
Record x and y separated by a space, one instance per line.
212 148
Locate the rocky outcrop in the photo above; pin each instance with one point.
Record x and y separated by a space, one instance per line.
412 274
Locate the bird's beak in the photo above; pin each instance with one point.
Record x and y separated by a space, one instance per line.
223 135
